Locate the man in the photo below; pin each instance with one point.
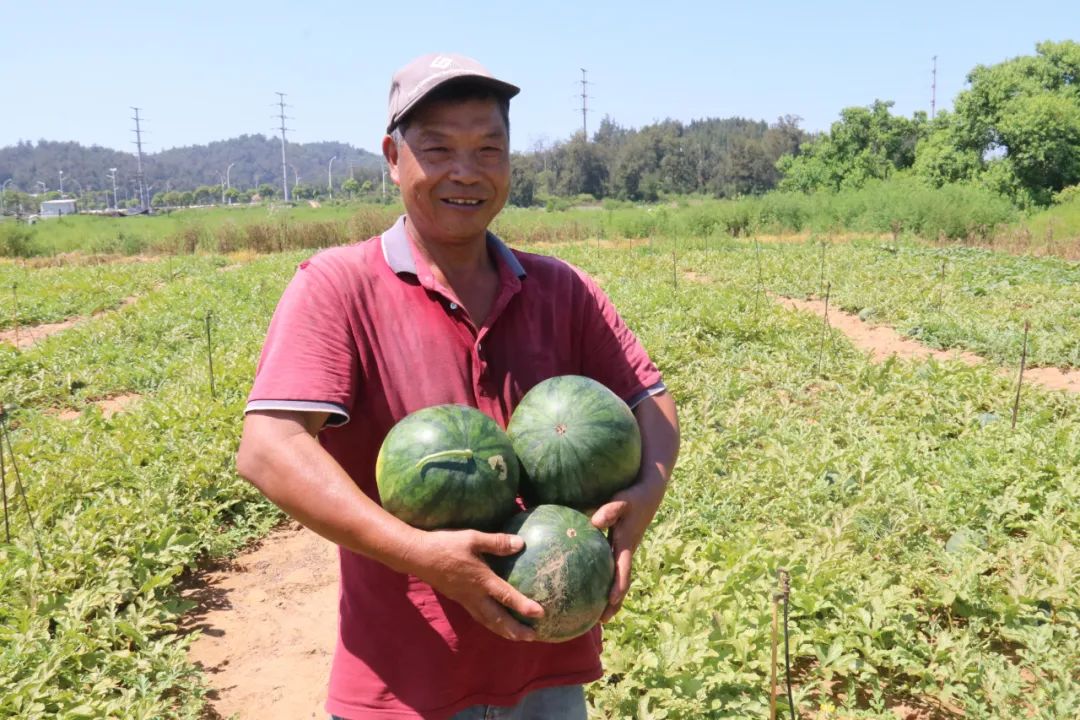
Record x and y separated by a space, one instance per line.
437 310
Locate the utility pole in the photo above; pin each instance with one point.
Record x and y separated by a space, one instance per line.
584 105
115 202
330 177
933 88
284 164
140 178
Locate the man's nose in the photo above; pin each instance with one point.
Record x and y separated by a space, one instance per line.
464 168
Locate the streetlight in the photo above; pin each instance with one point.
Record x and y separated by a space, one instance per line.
44 187
228 186
296 177
61 183
330 178
221 181
115 202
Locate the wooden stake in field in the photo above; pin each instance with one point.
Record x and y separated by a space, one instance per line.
1020 377
210 356
19 487
824 328
941 283
15 312
781 595
821 276
760 274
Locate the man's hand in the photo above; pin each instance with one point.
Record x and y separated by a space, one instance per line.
630 511
451 561
628 515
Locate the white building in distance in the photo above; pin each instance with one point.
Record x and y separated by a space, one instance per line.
58 208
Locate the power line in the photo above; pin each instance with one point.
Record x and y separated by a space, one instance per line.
143 200
933 88
284 165
584 104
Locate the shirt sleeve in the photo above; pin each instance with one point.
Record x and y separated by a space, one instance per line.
612 354
309 361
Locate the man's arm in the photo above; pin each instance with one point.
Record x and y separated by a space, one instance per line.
280 455
630 511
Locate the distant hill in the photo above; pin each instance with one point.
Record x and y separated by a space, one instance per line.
255 159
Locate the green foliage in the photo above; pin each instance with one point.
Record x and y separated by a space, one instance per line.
125 505
867 143
934 553
1027 110
855 482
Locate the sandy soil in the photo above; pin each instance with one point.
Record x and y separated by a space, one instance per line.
27 335
883 341
109 406
267 627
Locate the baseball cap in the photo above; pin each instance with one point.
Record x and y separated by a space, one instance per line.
415 81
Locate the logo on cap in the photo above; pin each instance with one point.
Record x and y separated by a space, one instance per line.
442 62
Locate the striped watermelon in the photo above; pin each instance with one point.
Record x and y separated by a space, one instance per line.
566 566
578 443
448 466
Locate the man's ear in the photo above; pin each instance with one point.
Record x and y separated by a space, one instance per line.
390 152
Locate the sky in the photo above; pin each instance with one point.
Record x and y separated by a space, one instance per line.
204 71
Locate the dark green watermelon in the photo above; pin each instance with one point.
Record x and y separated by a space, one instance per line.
566 566
448 466
578 443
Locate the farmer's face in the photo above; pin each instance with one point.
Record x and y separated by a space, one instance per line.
453 168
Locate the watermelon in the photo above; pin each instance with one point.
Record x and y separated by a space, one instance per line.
448 466
566 566
578 443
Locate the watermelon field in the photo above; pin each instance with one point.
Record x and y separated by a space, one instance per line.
933 549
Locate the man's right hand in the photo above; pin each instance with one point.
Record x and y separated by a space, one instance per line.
452 562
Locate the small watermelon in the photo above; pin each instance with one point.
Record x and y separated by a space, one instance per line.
448 466
578 443
566 566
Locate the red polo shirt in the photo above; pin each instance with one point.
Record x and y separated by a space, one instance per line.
366 333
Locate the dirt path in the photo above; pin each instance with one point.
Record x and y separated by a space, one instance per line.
883 341
26 335
267 622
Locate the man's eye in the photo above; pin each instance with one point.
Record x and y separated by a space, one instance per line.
436 149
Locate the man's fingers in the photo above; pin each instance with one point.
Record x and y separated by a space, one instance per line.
496 619
510 597
624 560
497 543
609 514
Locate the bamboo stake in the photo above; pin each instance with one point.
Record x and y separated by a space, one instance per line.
1020 377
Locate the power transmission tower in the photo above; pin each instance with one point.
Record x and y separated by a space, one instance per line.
284 165
933 88
584 105
139 177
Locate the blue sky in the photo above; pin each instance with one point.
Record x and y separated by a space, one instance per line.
204 71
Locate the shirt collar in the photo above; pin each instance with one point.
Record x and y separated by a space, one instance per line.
398 252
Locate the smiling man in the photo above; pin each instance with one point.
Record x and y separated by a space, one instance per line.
438 310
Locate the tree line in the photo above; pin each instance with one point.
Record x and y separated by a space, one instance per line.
1014 131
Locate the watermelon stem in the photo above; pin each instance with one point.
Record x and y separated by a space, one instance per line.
465 454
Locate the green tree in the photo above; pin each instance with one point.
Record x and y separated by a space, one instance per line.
522 180
1021 119
866 143
351 186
